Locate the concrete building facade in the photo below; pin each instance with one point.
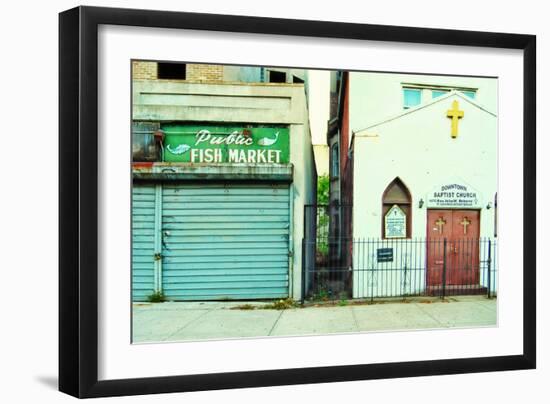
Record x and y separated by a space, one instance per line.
218 213
317 84
417 161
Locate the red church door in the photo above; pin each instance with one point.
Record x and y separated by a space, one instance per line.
460 255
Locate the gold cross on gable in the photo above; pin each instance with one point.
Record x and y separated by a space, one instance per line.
440 223
455 114
465 222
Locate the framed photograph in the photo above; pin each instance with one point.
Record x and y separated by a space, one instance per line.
249 201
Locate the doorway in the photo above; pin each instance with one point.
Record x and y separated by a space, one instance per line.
452 252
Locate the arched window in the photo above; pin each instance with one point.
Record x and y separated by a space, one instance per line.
396 210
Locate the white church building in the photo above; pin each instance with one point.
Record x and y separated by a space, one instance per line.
421 172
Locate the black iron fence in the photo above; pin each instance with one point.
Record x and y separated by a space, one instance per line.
327 225
344 268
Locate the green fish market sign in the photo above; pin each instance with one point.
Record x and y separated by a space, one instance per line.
225 145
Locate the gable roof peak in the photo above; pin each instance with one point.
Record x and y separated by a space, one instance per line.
451 94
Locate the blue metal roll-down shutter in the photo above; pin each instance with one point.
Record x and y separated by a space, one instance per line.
143 227
225 241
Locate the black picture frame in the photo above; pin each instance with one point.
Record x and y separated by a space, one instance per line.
78 201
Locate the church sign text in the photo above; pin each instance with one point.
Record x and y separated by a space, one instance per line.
454 195
384 255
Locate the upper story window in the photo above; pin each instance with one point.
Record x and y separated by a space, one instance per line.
335 160
277 77
173 71
415 94
411 97
439 93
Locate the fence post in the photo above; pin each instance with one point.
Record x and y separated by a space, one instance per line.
404 287
304 269
489 270
444 280
374 248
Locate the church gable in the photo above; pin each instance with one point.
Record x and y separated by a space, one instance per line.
452 114
426 147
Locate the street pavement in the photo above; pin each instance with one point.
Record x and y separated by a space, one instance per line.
185 321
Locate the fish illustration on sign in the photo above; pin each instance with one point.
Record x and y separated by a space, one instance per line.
180 149
265 141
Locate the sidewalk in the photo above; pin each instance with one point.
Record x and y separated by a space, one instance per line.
179 321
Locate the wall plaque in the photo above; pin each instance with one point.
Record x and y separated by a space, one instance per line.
395 223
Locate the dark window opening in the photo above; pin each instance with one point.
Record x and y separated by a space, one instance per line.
277 77
175 71
297 80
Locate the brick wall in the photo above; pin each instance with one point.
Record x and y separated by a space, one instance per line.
204 72
144 70
194 72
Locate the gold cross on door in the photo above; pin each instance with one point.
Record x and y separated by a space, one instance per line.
440 223
465 222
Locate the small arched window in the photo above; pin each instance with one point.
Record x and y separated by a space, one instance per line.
396 210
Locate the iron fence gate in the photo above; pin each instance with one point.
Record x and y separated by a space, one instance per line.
324 247
338 267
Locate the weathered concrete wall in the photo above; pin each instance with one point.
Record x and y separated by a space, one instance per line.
218 172
167 100
305 192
